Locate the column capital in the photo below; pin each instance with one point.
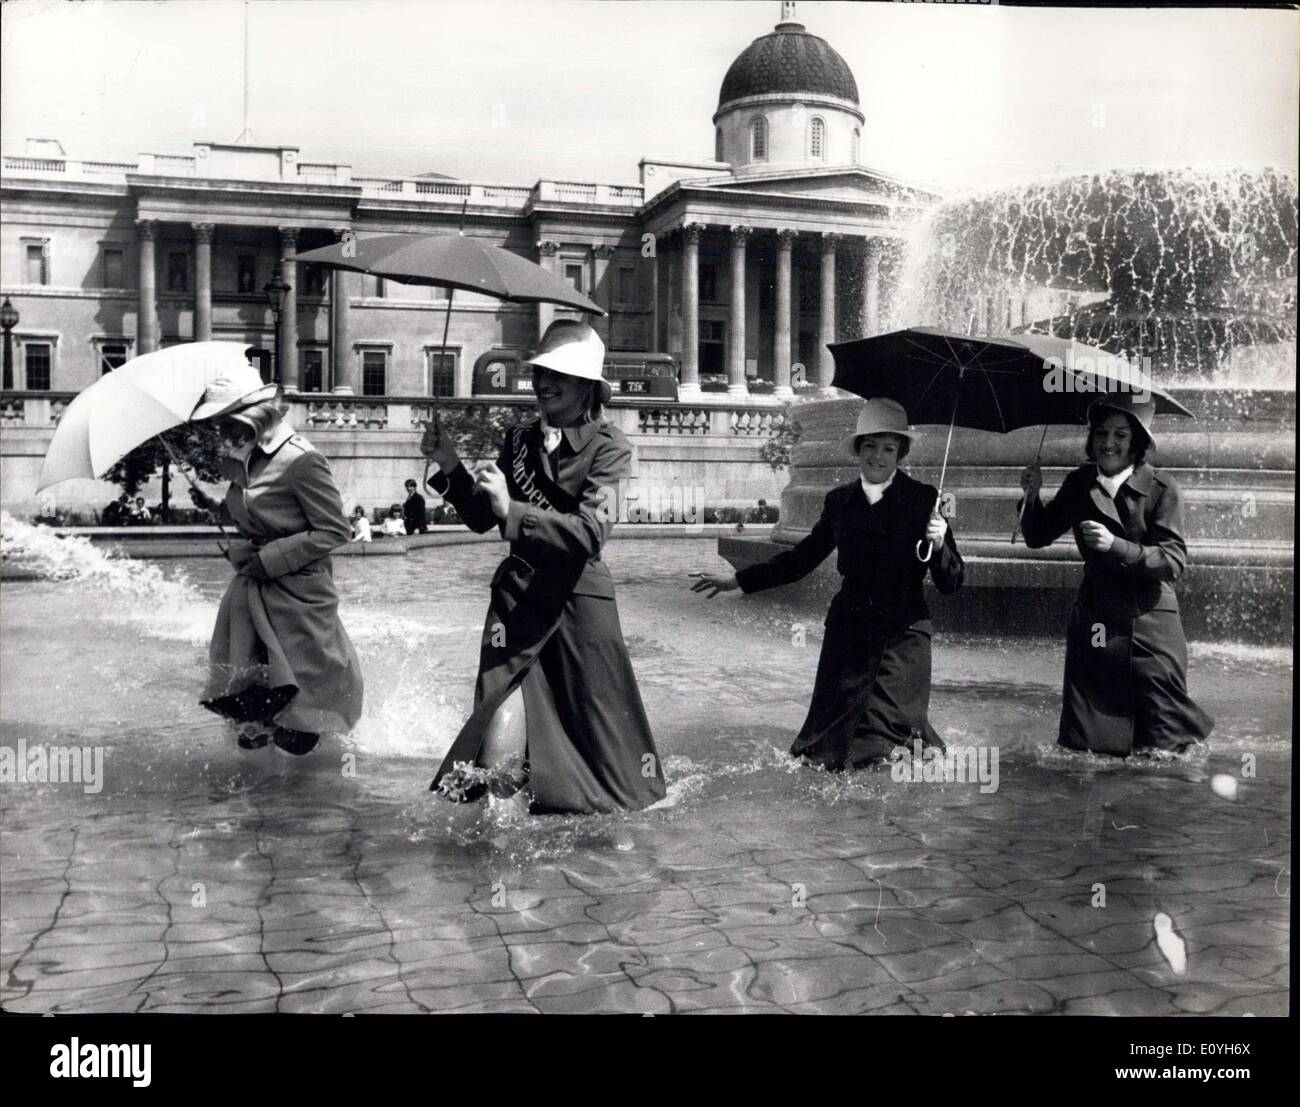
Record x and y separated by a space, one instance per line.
547 248
830 241
603 251
691 233
739 233
288 237
203 232
145 228
785 238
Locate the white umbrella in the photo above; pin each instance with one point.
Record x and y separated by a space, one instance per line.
146 396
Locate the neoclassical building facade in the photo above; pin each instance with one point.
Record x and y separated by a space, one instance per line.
740 269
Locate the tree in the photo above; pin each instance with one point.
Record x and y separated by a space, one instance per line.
785 433
198 445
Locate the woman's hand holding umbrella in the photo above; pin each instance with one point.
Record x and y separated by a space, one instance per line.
936 529
713 583
437 447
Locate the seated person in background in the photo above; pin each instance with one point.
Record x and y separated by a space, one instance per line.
393 523
360 525
414 512
116 513
139 514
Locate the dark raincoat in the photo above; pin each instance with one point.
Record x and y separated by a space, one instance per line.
279 653
552 624
1125 655
872 692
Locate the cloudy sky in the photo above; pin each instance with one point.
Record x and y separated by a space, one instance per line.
509 91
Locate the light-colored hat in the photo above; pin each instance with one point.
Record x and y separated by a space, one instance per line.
234 387
571 347
1142 408
879 416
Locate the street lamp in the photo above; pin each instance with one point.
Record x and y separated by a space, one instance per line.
8 320
276 289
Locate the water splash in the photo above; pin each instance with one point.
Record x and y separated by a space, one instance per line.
1194 270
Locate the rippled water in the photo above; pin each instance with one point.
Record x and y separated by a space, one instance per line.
202 877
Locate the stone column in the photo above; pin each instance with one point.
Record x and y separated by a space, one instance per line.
342 361
825 362
654 342
286 342
202 281
871 288
147 327
690 383
546 252
736 383
781 353
601 291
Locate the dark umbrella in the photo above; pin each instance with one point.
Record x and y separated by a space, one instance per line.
995 384
451 261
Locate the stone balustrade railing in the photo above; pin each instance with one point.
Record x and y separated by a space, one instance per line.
331 411
475 193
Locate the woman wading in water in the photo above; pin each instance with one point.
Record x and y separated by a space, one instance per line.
872 692
558 718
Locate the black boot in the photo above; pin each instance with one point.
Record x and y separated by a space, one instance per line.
296 742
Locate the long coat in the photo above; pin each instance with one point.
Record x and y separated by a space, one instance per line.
1125 654
872 691
552 624
279 652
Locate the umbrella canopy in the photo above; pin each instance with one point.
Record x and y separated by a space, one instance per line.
452 261
995 384
146 396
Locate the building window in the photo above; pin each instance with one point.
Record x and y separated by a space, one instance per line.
708 283
112 268
381 288
817 139
314 280
626 284
713 343
313 371
717 144
112 355
758 139
246 273
573 273
38 358
374 373
38 269
857 144
178 271
442 372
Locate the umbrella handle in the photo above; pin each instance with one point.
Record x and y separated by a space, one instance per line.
1024 504
929 549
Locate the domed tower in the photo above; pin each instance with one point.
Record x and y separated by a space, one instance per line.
789 101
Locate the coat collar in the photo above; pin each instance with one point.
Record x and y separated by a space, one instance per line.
277 438
577 436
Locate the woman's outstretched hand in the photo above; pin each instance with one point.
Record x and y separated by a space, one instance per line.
437 447
492 481
713 583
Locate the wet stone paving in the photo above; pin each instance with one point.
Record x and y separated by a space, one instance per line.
199 878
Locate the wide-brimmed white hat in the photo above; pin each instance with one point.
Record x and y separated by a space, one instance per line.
570 346
234 387
878 416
